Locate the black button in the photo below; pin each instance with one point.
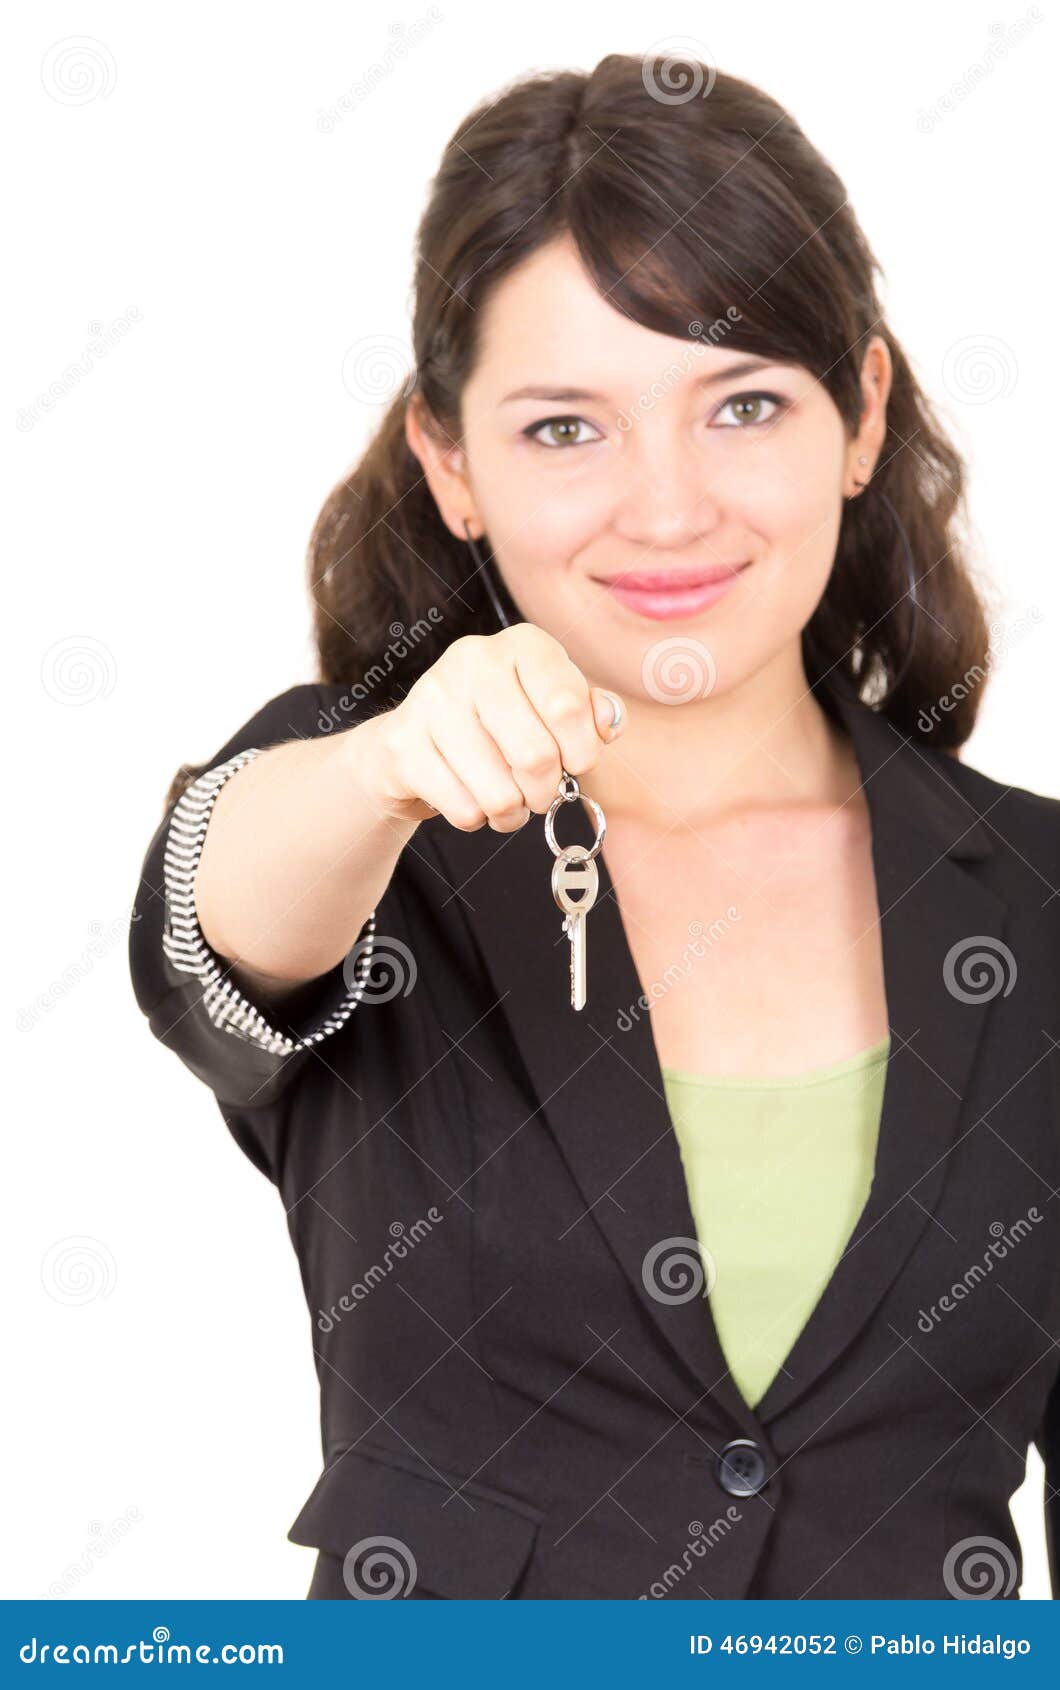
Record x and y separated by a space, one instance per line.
741 1468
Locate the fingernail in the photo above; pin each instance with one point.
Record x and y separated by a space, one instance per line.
617 711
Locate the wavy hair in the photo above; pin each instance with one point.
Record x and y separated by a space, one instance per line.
686 208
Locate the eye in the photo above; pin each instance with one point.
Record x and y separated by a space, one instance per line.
561 432
749 409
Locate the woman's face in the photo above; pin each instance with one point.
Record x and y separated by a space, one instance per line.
641 452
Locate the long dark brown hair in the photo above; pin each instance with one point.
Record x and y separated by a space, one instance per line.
687 193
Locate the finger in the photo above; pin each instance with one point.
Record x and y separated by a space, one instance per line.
429 775
524 743
560 695
475 760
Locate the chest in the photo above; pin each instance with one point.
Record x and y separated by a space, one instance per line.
757 944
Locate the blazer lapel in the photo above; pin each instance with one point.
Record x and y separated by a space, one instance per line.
596 1075
935 919
598 1082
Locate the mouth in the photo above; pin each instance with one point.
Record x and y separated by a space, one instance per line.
663 593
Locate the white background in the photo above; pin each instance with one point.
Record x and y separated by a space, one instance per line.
162 508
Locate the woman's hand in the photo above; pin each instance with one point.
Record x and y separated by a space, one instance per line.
486 733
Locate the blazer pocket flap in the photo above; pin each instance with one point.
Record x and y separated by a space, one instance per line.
406 1527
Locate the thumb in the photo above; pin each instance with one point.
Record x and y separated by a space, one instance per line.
609 713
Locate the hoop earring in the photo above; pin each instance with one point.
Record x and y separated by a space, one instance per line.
911 591
482 566
910 565
861 460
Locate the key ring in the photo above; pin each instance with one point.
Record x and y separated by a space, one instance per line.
569 790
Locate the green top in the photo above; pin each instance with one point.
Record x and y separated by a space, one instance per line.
778 1171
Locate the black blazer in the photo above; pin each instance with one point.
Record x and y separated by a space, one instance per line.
484 1193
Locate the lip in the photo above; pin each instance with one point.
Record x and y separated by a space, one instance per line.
664 593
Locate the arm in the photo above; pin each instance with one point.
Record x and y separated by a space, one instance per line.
297 854
255 915
245 1028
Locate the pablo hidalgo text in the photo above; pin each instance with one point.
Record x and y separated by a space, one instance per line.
954 1643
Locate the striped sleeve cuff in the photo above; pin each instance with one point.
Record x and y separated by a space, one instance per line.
187 950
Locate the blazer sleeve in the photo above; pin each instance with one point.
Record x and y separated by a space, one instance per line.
1048 1445
1040 846
247 1055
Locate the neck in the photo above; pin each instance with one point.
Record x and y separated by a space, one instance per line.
765 742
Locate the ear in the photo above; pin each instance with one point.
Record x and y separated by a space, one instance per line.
863 451
444 465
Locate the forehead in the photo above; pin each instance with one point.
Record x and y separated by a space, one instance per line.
547 322
548 312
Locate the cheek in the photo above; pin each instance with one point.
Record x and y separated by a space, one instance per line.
539 517
801 528
791 480
784 588
789 498
791 492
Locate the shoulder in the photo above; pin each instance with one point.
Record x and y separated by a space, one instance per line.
309 710
299 711
1022 824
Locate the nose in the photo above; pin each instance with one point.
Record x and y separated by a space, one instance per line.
665 501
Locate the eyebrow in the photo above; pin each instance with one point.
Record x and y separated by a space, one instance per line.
566 395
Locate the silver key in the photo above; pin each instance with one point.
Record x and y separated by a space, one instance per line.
574 871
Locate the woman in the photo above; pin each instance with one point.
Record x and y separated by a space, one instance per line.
743 1279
